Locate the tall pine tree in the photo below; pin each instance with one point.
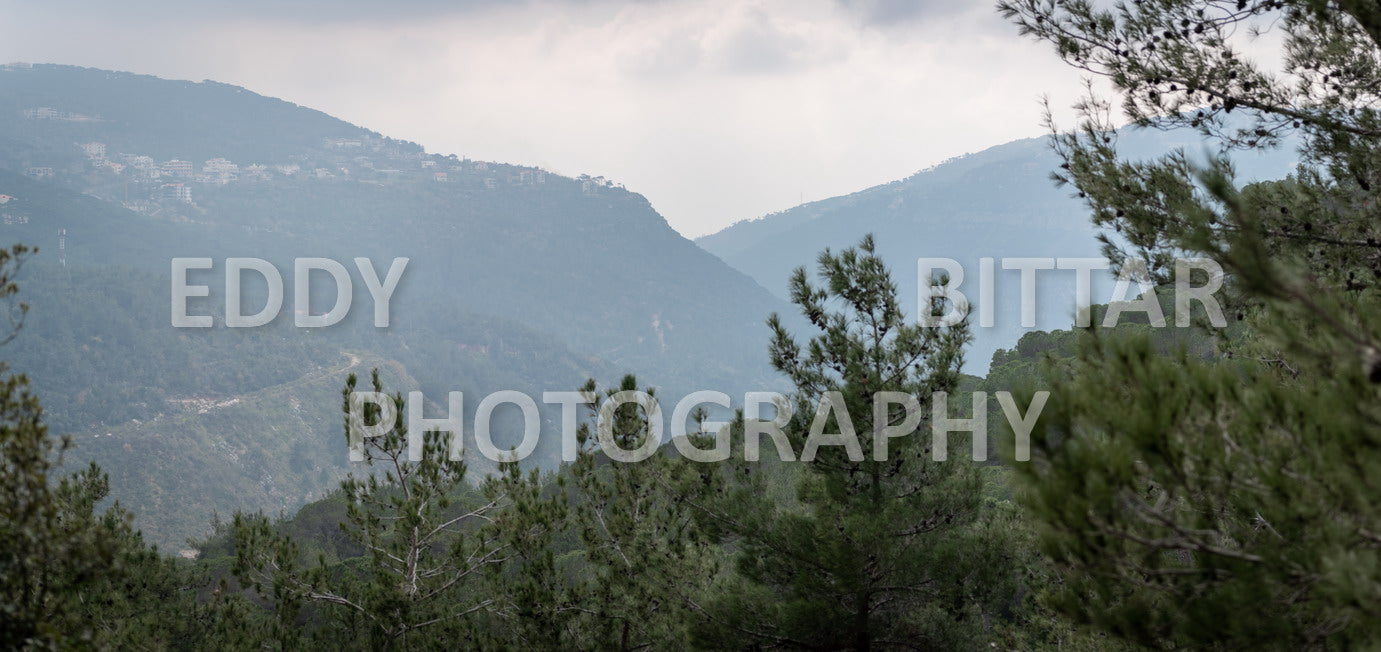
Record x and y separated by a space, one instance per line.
871 550
1231 502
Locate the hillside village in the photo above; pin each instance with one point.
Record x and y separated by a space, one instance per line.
145 184
350 159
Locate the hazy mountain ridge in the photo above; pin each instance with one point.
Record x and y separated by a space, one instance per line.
165 119
999 202
519 279
502 228
275 460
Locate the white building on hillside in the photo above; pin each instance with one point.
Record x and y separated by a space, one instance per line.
94 151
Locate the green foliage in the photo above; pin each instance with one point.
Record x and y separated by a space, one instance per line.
1185 490
994 203
597 557
494 297
874 552
625 562
1225 501
70 574
427 537
643 559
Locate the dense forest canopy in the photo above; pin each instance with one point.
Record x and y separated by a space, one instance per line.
1188 486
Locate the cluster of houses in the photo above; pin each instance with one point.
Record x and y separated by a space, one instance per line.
175 172
591 186
174 180
46 113
174 177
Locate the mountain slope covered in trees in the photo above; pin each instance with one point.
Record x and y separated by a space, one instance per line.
995 203
518 278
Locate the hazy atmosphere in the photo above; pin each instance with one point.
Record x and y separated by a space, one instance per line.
716 111
690 325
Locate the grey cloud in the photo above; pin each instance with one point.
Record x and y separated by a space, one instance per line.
760 47
664 59
876 13
296 11
897 13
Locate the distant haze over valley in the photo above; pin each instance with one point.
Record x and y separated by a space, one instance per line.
520 278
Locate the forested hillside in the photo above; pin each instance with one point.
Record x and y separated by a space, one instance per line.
1189 467
997 203
518 279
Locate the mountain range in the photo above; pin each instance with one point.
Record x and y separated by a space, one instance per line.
518 278
997 203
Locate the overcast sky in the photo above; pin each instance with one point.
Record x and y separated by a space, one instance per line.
715 110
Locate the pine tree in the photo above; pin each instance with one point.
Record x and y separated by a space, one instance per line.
71 574
872 550
429 538
1229 502
626 560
